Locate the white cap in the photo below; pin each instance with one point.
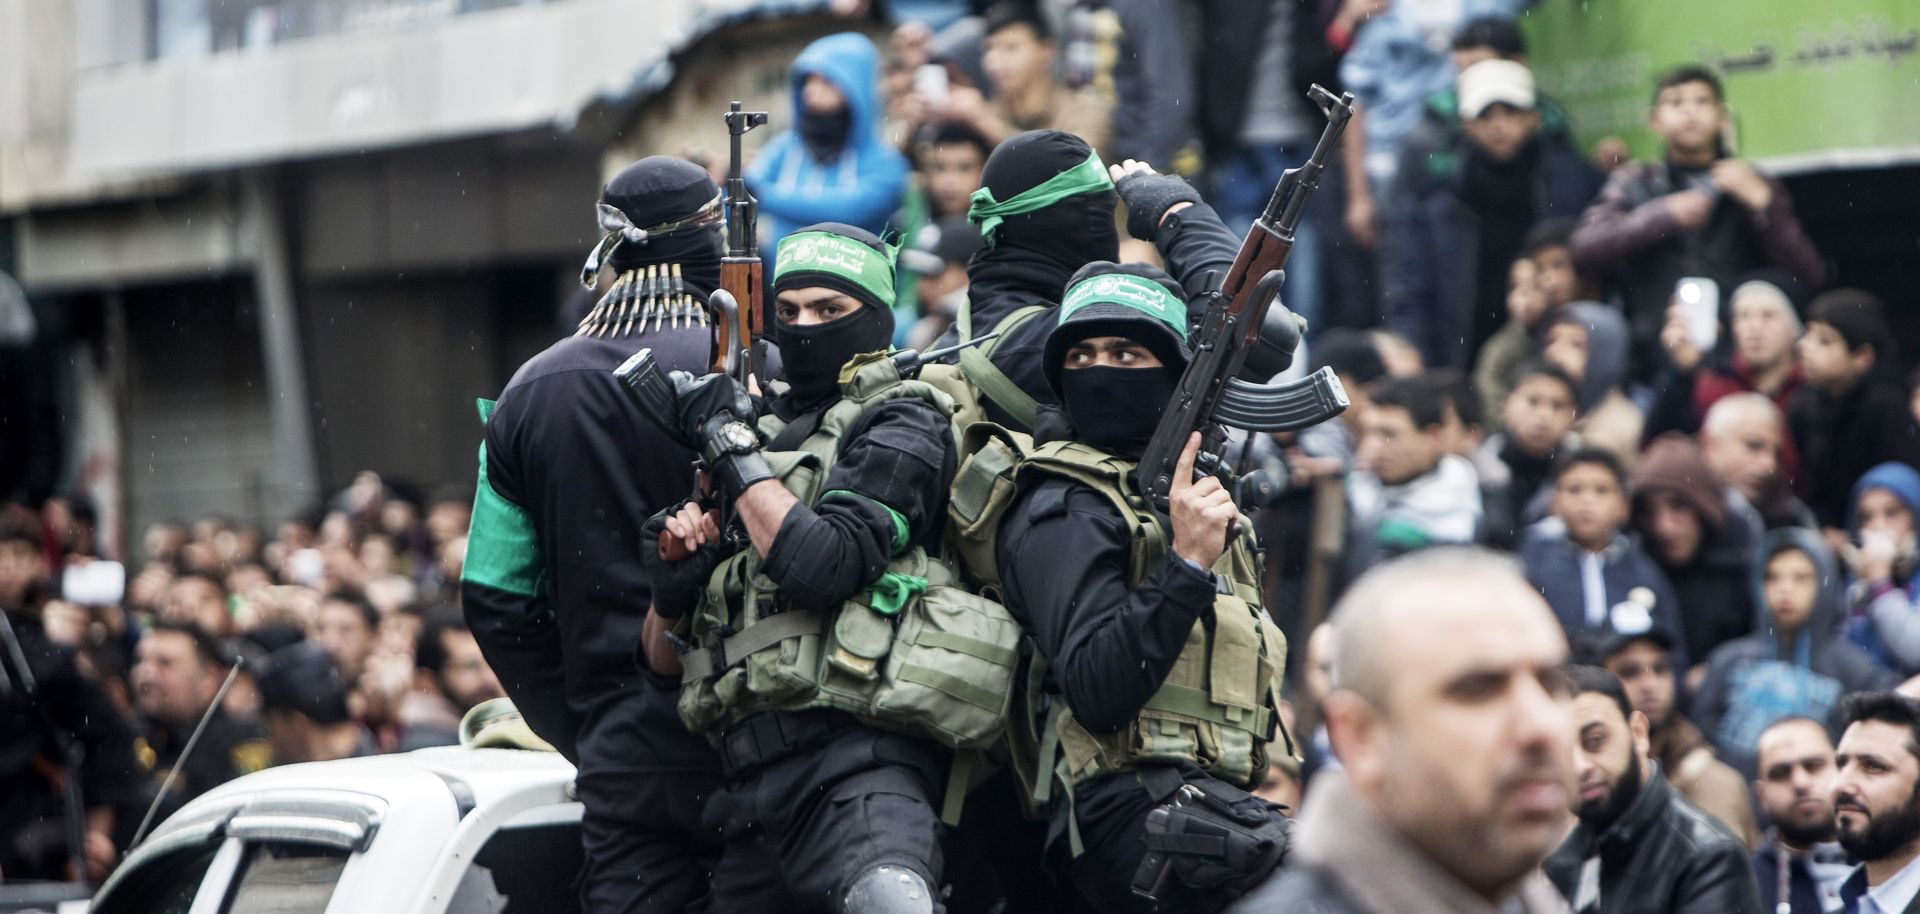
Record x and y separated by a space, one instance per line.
1492 81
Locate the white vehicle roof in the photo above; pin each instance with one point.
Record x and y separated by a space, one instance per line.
413 820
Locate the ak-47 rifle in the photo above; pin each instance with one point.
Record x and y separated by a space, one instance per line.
740 302
1211 394
655 391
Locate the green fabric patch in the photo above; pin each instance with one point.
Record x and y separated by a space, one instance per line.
1138 293
900 532
890 593
1401 534
837 256
501 550
1085 178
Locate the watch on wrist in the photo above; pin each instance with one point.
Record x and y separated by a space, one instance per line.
731 437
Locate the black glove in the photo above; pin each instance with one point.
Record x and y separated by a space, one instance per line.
676 585
1148 197
717 414
704 398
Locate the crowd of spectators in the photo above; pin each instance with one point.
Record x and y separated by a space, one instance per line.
337 635
1632 375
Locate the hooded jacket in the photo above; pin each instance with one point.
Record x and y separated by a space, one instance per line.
1756 680
862 184
1714 588
1554 566
1608 420
1885 621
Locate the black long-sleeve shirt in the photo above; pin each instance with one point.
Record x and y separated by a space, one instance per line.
568 450
1063 555
897 458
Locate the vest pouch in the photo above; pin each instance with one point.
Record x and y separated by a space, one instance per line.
950 673
784 675
699 702
861 639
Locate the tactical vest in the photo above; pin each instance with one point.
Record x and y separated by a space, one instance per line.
1217 708
915 653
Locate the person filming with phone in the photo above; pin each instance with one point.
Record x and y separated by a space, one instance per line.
1698 212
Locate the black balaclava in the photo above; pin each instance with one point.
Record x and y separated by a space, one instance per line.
813 355
1039 251
663 189
825 134
1116 409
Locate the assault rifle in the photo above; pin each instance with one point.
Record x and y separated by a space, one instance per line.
1211 393
739 304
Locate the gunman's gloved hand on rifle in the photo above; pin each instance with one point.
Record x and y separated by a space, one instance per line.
677 584
1150 197
717 416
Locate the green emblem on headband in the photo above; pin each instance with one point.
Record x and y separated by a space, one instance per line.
1085 178
839 256
1143 295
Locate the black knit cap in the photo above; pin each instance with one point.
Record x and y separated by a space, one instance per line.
1113 319
658 190
1070 233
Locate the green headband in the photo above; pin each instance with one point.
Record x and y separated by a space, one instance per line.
1138 293
1085 178
839 257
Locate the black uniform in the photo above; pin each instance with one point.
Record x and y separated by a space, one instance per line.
839 798
228 749
44 709
1063 556
565 444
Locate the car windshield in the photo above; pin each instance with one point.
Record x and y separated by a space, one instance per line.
528 870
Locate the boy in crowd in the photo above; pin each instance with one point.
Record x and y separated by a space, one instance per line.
1797 663
1886 595
1410 493
1543 278
1591 573
1588 341
1852 413
1538 418
1697 212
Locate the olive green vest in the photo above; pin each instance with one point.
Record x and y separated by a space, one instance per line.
915 653
1218 707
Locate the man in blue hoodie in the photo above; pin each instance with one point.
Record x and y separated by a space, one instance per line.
834 165
1795 664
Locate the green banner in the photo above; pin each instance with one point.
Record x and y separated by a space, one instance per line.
1827 84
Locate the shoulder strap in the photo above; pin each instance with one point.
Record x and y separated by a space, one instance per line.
978 363
1113 478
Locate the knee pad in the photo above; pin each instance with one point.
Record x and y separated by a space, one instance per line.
888 889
